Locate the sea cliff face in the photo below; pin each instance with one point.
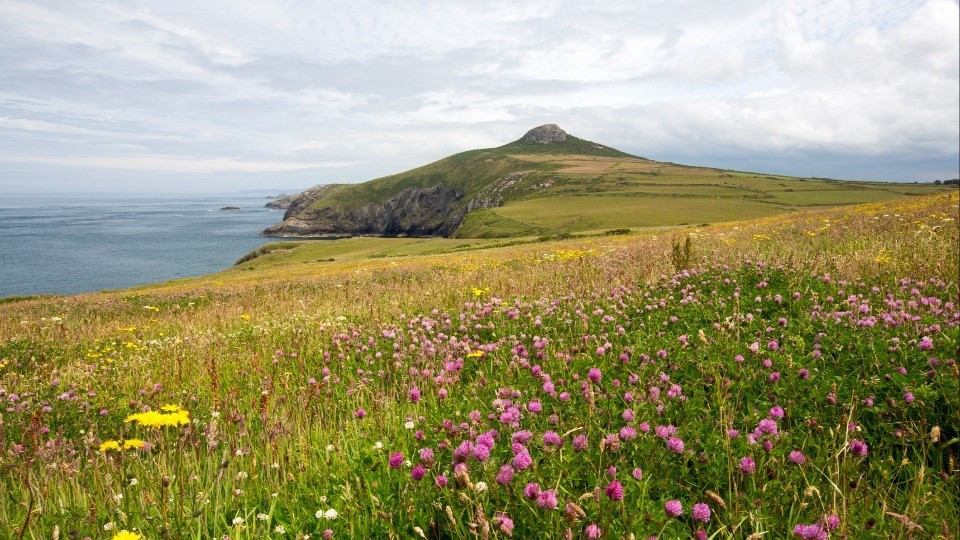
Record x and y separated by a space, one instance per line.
429 211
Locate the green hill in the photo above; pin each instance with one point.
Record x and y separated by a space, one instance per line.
549 182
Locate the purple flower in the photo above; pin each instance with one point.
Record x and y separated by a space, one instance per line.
580 442
414 395
396 460
858 448
522 437
733 433
776 412
810 532
767 426
908 397
747 465
505 475
532 490
441 481
675 445
534 406
797 457
360 413
594 375
551 438
832 521
593 531
418 472
547 499
522 460
638 473
673 508
505 524
627 433
481 452
615 491
701 512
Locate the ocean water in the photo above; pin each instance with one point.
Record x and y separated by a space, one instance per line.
73 244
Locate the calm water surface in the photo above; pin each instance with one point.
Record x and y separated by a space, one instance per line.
72 244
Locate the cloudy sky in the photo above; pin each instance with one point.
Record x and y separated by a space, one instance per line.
241 94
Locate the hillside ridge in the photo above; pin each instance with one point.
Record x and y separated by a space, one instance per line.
550 182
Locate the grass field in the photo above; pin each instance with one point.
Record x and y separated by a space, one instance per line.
789 376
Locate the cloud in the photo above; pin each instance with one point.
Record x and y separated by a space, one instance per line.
173 163
367 88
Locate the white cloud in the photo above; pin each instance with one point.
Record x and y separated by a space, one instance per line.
374 88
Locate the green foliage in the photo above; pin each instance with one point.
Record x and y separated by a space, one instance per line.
852 344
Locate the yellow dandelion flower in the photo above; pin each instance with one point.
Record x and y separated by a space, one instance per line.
174 417
134 444
127 535
475 354
110 445
245 317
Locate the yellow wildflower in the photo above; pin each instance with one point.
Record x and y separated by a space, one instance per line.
127 535
475 354
134 444
175 416
110 445
245 317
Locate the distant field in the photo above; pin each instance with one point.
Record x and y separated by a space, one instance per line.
585 213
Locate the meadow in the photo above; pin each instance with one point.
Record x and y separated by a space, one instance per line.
791 376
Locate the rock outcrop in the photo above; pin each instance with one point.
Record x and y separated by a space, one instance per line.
413 212
545 134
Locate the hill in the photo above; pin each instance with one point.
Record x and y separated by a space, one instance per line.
791 373
550 182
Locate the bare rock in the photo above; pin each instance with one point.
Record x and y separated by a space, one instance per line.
545 134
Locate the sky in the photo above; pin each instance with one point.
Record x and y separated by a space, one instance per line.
215 96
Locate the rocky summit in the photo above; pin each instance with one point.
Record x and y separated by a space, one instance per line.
547 133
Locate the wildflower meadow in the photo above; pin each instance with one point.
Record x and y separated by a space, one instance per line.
790 377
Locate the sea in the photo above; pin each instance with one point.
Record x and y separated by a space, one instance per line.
67 244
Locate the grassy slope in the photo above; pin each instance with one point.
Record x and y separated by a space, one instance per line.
244 343
579 186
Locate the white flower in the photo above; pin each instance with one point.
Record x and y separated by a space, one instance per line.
241 475
480 487
279 529
323 498
108 526
319 514
330 448
378 445
118 497
276 465
237 520
331 514
408 425
262 517
134 481
215 414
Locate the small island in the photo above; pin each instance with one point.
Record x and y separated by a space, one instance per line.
229 208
